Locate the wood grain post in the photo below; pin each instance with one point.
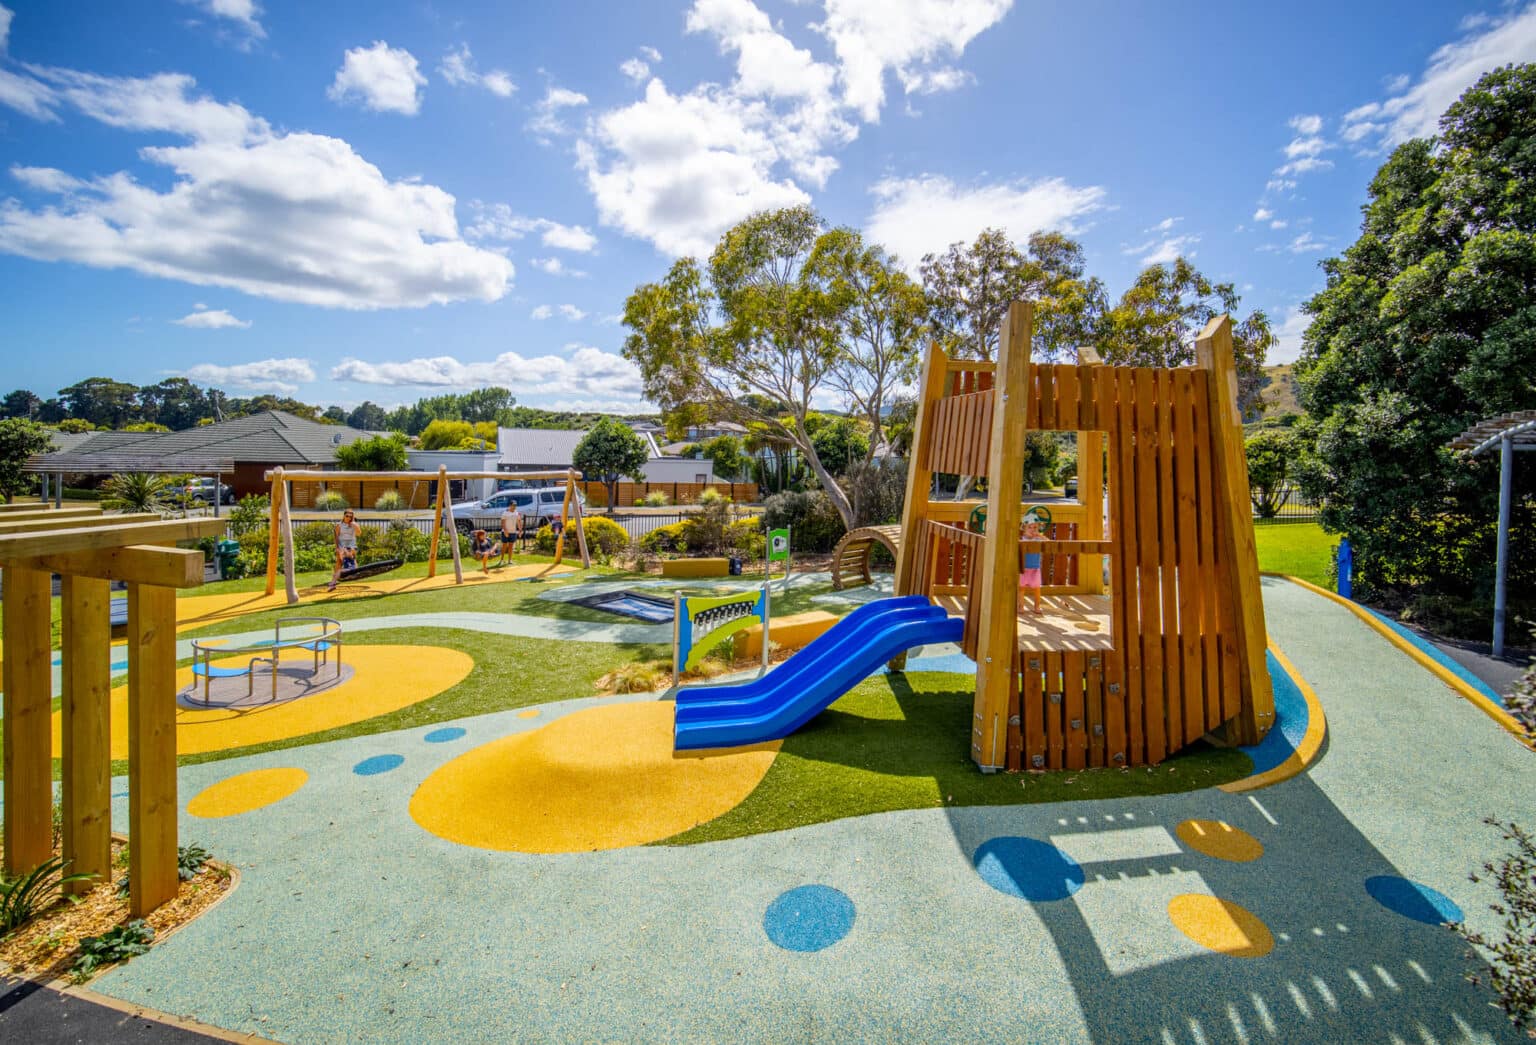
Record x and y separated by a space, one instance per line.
272 527
437 520
1090 475
995 656
151 747
290 562
452 525
581 521
1213 353
85 729
28 725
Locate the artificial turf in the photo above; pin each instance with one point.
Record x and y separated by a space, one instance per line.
899 742
1298 550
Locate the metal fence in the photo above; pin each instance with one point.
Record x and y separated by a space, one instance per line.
1292 507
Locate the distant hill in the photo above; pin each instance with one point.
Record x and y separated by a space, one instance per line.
1279 391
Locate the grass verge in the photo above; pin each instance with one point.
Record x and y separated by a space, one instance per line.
1299 549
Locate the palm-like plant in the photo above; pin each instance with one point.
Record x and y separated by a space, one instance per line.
137 492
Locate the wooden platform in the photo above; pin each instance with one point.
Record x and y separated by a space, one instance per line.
1069 623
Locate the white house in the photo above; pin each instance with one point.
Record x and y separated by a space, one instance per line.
458 461
531 449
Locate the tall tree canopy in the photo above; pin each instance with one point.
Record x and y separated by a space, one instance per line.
609 451
1427 325
19 440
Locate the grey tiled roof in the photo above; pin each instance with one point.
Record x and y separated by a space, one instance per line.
537 447
270 437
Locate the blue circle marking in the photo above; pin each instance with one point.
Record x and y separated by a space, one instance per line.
1028 868
378 764
442 736
1412 900
809 918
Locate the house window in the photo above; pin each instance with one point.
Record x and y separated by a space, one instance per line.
701 478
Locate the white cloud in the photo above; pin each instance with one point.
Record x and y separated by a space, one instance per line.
1165 251
1306 125
1164 226
556 267
586 378
498 222
292 216
542 312
923 215
458 68
1306 244
383 78
1277 224
1263 214
547 121
1287 346
267 375
204 318
1305 147
1399 83
46 179
911 37
1413 110
1305 165
6 14
767 63
1279 185
570 312
635 69
245 14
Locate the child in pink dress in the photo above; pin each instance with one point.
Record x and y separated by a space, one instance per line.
1029 576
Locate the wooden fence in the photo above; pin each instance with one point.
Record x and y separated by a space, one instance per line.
628 495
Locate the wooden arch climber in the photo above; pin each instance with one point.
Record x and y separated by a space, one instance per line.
1153 632
850 559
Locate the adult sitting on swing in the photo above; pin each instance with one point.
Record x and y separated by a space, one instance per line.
347 532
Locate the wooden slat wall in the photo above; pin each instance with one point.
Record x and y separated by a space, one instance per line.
962 430
1173 674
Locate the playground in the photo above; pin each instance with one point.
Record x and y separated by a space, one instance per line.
1173 804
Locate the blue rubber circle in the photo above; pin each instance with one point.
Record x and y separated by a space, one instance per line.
442 736
1412 900
378 764
1028 868
809 918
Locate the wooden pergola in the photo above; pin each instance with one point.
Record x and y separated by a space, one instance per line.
90 551
1509 432
281 525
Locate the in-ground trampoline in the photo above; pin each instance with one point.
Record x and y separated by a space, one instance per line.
650 608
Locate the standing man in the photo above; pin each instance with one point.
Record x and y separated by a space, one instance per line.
511 529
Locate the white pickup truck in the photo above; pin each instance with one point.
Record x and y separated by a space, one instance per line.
538 508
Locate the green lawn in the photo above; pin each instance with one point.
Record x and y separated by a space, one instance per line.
900 742
1298 549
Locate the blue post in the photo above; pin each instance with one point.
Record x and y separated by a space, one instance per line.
1346 569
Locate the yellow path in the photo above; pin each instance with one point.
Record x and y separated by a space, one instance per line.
385 679
196 611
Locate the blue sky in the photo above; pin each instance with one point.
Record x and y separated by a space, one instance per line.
349 201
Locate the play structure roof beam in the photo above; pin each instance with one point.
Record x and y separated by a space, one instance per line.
1485 435
1509 432
134 564
17 548
330 477
103 463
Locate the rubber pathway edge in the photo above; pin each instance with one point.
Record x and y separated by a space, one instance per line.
1306 751
1456 684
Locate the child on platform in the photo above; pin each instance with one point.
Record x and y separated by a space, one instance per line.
1029 576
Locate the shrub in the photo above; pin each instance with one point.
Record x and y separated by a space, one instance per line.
1522 702
1512 959
382 453
190 860
746 537
705 529
655 499
877 491
633 678
331 501
389 501
605 538
114 945
22 897
138 492
711 497
670 538
814 523
248 514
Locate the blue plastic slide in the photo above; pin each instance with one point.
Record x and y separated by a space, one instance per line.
789 696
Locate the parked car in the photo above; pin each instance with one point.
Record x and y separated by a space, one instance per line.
537 506
1069 488
202 490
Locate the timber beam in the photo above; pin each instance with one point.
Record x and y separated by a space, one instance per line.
48 522
18 547
134 564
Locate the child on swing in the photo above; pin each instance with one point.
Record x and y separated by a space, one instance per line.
1029 576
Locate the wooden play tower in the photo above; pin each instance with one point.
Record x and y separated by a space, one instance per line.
1152 632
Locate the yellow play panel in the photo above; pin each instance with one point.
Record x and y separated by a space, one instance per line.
603 778
196 611
384 679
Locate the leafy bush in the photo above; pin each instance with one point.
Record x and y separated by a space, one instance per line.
382 453
1269 452
711 497
190 860
249 514
331 501
655 499
1512 958
705 529
746 538
389 501
605 538
670 538
1522 702
22 897
876 492
114 945
814 523
138 492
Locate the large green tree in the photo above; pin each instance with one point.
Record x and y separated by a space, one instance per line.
102 401
609 451
1426 326
19 440
175 402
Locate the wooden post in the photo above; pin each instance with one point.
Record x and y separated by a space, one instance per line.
997 622
272 527
451 525
437 521
919 474
1090 478
85 728
151 747
290 563
28 726
574 500
1237 552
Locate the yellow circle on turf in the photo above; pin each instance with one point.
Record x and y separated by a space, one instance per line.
530 713
1220 925
246 791
602 778
1220 839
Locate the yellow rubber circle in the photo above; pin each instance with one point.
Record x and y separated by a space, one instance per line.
246 791
1220 925
603 778
1220 839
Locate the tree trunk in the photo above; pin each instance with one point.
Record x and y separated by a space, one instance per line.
963 487
834 491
